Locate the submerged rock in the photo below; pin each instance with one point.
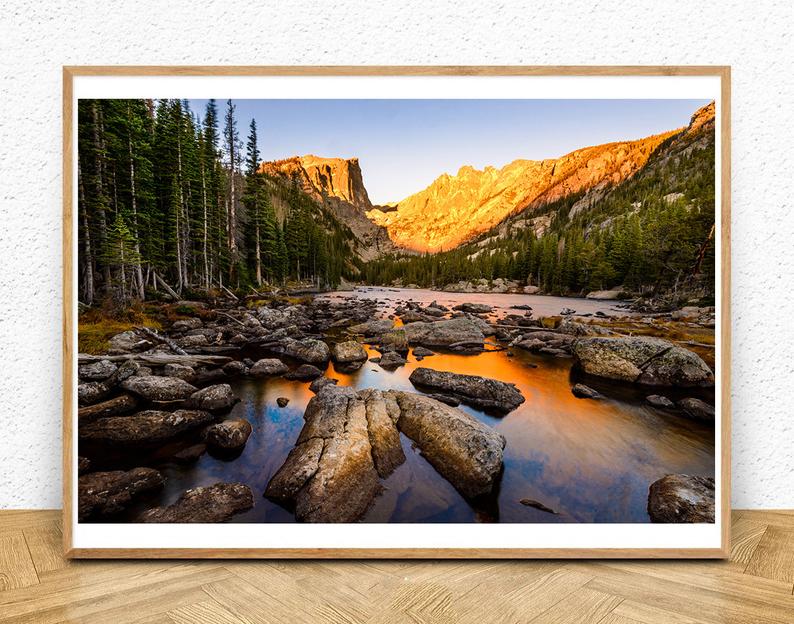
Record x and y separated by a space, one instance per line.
268 367
473 308
304 372
648 361
480 392
681 498
697 409
146 428
153 388
230 435
391 360
584 392
218 398
422 352
657 400
348 351
214 503
460 330
464 450
109 493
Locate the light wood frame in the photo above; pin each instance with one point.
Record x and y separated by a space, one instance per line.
69 420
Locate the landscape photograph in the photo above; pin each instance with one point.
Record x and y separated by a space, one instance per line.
396 311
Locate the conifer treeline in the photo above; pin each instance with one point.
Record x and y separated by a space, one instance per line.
638 236
168 199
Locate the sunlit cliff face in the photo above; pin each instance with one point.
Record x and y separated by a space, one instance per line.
453 209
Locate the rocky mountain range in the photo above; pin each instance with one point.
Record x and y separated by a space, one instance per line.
456 209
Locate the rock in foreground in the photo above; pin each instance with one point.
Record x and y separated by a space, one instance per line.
454 331
464 450
351 439
230 435
217 398
268 367
681 498
647 361
146 428
329 476
214 503
697 409
108 493
154 388
348 351
480 392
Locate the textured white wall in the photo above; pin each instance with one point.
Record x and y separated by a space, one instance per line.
37 38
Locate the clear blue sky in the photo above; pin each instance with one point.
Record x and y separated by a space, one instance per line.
403 145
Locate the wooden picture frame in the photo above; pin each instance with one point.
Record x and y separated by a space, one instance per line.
70 74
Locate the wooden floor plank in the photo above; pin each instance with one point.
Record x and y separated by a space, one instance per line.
45 545
773 558
16 565
644 614
745 535
208 612
584 606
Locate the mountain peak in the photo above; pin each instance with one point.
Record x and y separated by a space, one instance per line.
454 209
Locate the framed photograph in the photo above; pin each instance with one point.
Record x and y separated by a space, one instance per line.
408 312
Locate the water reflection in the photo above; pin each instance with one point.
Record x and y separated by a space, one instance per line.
590 461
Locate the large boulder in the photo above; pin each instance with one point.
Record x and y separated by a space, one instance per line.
147 428
217 398
387 450
647 361
92 392
181 371
128 342
681 498
480 392
213 503
330 475
372 328
445 333
230 435
464 450
186 324
268 367
348 351
154 388
606 295
307 350
108 493
96 371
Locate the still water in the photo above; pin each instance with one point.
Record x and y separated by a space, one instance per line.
590 461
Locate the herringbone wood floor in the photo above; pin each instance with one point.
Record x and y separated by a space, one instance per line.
37 585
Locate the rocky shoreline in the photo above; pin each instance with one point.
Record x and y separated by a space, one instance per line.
164 396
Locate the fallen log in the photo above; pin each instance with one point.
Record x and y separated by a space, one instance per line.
158 359
164 339
167 288
229 316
